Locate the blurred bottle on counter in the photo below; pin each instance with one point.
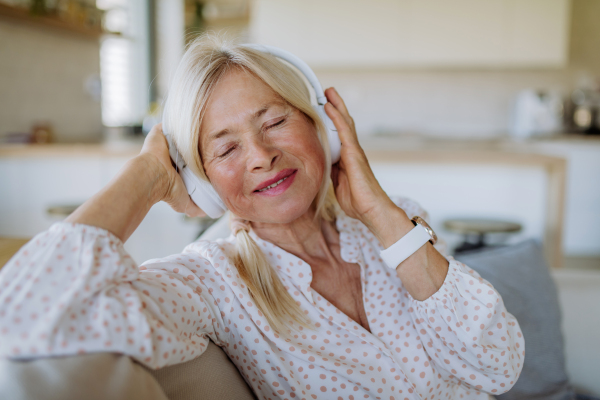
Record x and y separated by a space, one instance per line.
40 133
536 113
583 107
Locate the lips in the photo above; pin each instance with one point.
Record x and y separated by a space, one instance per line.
281 179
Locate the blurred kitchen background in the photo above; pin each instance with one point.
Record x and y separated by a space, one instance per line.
485 112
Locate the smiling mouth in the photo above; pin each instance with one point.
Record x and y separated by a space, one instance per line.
273 185
277 184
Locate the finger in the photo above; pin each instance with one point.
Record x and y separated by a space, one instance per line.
179 199
156 128
154 138
345 131
183 203
155 131
334 98
192 210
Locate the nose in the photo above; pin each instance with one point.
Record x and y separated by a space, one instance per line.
261 154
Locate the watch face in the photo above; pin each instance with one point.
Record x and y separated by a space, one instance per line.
425 225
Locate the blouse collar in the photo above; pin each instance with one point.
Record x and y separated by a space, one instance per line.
297 269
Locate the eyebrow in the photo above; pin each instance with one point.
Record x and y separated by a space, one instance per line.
255 116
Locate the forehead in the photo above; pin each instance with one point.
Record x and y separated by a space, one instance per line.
238 92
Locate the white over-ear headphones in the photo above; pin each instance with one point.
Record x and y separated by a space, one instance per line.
201 191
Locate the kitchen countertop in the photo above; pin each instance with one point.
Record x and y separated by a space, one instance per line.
8 247
394 150
125 149
376 146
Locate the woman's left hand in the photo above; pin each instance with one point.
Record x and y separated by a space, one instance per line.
361 197
357 190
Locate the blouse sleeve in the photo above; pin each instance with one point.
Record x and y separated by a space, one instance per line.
73 289
465 328
467 331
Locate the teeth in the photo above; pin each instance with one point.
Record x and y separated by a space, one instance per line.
273 185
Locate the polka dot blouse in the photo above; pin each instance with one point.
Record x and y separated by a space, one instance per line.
73 289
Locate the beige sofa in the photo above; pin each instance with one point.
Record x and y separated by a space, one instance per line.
213 376
116 377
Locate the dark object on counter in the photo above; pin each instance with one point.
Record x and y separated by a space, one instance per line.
42 133
469 227
583 114
16 137
132 130
38 7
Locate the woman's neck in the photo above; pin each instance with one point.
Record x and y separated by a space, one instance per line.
307 237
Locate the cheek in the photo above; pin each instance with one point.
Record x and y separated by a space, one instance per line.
311 153
227 180
301 141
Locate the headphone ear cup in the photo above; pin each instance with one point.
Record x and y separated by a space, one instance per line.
201 191
203 194
335 145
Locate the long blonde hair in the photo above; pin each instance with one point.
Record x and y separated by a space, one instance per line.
206 60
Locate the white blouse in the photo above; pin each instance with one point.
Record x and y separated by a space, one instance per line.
73 289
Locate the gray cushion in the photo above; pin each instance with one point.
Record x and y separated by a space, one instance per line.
521 276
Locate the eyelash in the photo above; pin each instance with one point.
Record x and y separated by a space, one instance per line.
227 152
268 127
276 124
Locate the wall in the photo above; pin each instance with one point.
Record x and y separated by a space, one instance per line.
585 33
42 78
444 103
461 102
170 42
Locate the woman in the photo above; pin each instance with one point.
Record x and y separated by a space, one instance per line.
298 297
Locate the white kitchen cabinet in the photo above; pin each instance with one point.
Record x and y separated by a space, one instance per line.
582 203
31 184
447 191
470 179
416 33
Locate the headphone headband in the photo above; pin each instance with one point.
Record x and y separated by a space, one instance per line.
296 62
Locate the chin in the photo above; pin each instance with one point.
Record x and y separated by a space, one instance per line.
280 212
287 212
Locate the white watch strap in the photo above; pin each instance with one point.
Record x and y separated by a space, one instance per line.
404 247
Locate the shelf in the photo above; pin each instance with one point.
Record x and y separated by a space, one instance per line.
47 21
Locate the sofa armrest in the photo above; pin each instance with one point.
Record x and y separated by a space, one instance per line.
100 376
210 376
96 376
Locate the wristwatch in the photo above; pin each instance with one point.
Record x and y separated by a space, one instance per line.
409 243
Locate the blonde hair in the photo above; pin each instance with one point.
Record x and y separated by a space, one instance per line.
206 60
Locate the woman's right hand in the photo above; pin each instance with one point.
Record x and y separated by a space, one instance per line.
145 180
172 189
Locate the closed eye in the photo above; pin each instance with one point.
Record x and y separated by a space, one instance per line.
276 124
227 152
